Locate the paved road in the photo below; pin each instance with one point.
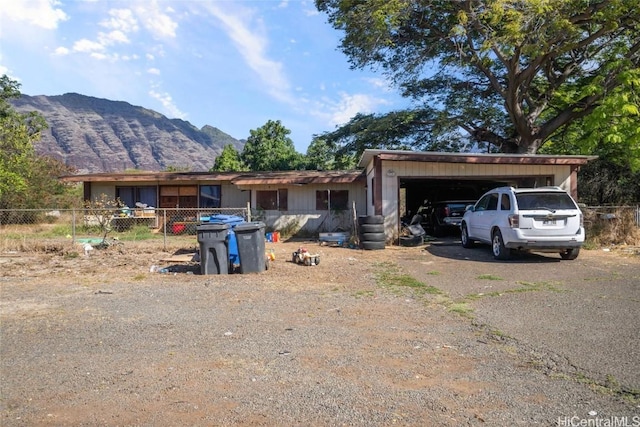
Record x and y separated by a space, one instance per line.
582 315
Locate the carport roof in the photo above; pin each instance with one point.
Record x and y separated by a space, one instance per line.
483 158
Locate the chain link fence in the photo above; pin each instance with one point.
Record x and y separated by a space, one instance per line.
18 226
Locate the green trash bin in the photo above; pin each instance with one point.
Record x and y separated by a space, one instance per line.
250 238
214 255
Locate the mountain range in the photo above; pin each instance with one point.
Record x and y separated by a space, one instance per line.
96 135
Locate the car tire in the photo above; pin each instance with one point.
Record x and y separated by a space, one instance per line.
464 237
371 219
373 245
373 237
410 241
570 254
372 228
497 246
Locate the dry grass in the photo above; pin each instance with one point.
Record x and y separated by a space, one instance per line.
616 227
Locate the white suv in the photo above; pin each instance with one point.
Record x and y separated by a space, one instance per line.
544 219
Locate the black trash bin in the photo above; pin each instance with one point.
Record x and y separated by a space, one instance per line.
250 238
214 256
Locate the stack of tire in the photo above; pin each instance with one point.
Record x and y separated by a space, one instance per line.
371 232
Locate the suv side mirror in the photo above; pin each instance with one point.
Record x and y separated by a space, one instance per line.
470 208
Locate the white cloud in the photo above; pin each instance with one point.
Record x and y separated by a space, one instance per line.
167 102
61 51
154 71
87 46
250 39
340 112
113 37
379 83
158 23
121 20
40 13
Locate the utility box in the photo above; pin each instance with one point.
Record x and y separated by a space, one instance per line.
251 248
214 256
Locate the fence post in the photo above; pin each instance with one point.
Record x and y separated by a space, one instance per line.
164 228
248 211
73 226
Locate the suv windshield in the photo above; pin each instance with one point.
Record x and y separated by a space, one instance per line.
542 200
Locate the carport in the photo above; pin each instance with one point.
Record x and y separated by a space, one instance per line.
398 181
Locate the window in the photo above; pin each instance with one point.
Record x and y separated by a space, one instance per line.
493 202
332 199
210 196
322 200
505 202
132 195
339 200
488 203
547 201
267 200
271 200
179 196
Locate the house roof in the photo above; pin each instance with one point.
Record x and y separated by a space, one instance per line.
237 178
482 158
151 176
299 177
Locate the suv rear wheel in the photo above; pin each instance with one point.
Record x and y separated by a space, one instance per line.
498 248
570 254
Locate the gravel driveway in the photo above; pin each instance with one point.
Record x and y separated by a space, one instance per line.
432 335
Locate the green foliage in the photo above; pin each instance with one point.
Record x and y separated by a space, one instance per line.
504 74
269 148
26 179
611 132
228 161
416 129
323 154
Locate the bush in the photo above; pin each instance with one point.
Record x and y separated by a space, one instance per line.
611 226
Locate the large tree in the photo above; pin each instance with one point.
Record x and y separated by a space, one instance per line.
509 74
269 148
26 179
228 161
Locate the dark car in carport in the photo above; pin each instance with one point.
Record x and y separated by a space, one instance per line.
446 216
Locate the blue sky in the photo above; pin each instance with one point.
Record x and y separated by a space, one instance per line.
232 64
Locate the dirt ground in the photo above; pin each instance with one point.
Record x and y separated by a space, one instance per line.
103 338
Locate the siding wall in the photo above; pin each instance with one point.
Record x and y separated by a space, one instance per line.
301 211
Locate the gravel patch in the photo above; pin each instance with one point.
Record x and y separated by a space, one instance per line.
101 340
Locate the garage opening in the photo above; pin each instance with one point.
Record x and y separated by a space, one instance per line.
413 191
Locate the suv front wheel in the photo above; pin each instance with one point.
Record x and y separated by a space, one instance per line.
498 248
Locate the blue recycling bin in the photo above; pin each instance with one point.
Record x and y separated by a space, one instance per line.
232 243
